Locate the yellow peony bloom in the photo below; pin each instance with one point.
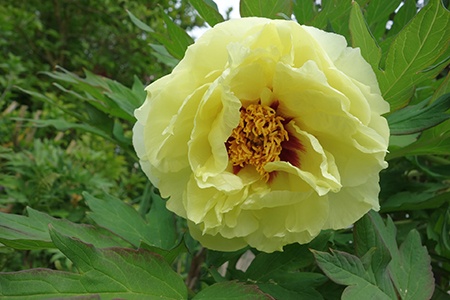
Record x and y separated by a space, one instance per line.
264 134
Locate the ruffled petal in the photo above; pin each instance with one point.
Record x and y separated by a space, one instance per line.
351 203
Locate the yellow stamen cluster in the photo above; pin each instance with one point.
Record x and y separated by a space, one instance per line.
257 139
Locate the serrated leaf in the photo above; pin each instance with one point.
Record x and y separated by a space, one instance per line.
265 8
27 233
409 267
207 9
347 269
231 290
421 44
362 38
109 273
368 240
416 118
122 219
411 272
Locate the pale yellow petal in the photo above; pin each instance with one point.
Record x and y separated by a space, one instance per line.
317 167
217 115
216 242
332 44
351 203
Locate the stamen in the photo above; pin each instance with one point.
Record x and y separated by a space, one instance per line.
257 138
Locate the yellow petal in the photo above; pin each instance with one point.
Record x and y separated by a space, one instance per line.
351 203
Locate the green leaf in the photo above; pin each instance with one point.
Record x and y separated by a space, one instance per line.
411 272
438 229
362 38
139 23
414 201
386 232
334 16
63 125
282 269
266 267
409 267
178 39
403 16
416 118
377 14
347 269
208 11
122 219
231 290
369 240
435 140
105 94
279 292
164 56
421 44
304 11
27 233
301 284
109 273
443 88
175 41
169 255
265 8
163 232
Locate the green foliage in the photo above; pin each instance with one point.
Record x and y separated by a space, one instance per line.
419 51
231 290
31 232
268 9
79 34
417 118
380 269
158 229
101 106
50 178
107 273
408 54
361 37
208 11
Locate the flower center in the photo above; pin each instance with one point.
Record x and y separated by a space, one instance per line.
257 139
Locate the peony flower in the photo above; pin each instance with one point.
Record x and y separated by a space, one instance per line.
264 134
